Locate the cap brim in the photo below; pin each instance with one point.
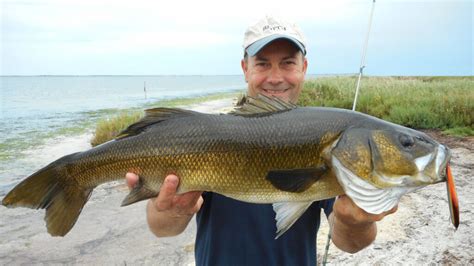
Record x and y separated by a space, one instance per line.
255 47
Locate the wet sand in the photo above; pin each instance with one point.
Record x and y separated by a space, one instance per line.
105 233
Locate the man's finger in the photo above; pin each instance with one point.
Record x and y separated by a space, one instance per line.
350 212
379 217
392 210
167 193
131 180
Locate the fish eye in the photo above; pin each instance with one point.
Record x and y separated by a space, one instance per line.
406 141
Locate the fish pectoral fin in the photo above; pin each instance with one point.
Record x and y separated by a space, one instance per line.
287 213
295 180
138 193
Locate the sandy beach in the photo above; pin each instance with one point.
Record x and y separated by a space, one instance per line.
105 233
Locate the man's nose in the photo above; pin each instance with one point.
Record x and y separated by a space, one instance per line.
275 76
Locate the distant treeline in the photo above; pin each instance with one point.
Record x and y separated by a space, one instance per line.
445 103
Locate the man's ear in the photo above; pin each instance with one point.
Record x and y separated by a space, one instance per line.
305 65
243 64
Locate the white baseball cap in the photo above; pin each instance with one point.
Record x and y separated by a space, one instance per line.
269 29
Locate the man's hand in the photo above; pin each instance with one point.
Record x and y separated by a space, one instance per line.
169 213
353 228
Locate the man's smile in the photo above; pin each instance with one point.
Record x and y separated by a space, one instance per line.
275 91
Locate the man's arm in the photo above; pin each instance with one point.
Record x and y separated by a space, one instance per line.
352 228
169 214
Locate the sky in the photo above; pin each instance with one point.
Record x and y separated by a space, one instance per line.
117 37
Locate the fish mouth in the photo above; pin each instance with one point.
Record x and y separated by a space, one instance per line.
443 157
431 170
436 164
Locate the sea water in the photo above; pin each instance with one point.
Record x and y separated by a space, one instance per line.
39 114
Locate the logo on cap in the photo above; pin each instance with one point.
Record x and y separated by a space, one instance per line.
273 28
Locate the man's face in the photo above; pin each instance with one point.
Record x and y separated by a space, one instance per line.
277 70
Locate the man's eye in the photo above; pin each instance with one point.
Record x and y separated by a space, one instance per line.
261 64
290 62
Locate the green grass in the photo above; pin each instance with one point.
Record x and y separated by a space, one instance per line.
460 131
109 127
445 103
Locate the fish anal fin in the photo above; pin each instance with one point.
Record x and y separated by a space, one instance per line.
287 213
295 180
138 193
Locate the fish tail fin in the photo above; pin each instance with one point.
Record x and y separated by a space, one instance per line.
47 189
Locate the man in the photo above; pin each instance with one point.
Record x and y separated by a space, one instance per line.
231 232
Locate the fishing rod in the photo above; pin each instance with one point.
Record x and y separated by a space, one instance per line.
364 52
361 70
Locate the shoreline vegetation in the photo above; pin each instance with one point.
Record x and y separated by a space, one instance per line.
443 103
421 102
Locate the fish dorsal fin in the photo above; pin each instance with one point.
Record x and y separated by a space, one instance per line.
152 117
260 105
